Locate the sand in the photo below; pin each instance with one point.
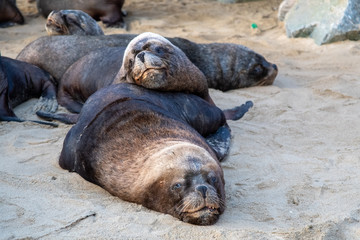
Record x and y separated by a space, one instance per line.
293 169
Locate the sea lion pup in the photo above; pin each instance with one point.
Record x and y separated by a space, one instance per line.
71 22
149 147
87 75
10 14
225 66
107 11
20 81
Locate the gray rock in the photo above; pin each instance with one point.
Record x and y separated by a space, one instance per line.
323 20
284 8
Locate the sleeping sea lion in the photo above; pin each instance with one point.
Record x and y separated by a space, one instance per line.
149 60
225 66
154 62
71 22
87 75
150 148
20 81
10 14
107 11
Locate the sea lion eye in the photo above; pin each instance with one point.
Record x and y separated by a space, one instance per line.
146 46
257 70
176 186
160 50
213 180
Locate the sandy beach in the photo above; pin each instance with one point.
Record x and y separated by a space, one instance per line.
293 168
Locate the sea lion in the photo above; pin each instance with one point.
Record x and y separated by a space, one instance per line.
20 81
10 14
71 22
149 60
107 11
154 62
149 148
225 66
87 75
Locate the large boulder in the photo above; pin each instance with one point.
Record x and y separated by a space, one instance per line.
324 20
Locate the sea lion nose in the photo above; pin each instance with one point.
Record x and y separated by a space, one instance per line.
275 67
141 56
202 189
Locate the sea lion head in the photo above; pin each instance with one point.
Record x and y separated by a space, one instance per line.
71 22
153 62
188 183
256 71
261 72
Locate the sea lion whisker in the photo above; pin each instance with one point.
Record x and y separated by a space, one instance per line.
185 204
222 203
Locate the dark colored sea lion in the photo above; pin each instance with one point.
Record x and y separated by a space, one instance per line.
150 148
149 60
87 75
20 81
107 11
10 14
72 22
225 66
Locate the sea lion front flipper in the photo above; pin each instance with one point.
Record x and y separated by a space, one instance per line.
46 104
238 112
67 118
220 141
16 119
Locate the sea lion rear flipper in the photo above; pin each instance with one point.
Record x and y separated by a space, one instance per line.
238 112
220 141
16 119
67 118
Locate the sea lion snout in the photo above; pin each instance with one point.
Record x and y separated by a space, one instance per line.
202 189
55 24
265 72
201 204
275 67
272 73
149 70
150 60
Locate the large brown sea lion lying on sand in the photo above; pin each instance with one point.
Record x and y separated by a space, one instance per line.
153 148
225 66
